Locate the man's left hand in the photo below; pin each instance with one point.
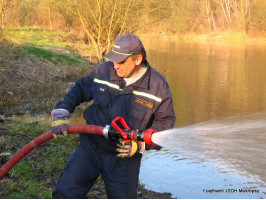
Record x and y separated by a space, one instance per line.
127 149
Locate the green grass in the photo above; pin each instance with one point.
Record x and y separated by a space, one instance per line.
33 129
41 36
28 178
23 169
42 44
31 189
49 56
32 75
16 196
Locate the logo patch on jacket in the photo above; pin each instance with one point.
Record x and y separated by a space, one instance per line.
144 103
101 89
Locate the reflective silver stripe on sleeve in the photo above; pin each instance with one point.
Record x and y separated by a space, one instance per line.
144 94
107 83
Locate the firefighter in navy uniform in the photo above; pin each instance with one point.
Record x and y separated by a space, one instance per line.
125 86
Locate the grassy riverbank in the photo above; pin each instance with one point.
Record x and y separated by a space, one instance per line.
37 68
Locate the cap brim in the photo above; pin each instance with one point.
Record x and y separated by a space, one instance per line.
115 57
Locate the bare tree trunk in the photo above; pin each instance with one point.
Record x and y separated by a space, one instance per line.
2 12
89 34
207 11
99 45
213 21
50 19
227 5
222 5
125 18
2 20
110 28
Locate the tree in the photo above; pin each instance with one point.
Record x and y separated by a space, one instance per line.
103 20
68 17
239 10
4 6
258 17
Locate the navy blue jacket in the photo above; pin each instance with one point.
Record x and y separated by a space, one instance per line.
144 104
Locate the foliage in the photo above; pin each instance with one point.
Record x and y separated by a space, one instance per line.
104 20
183 19
1 34
258 17
100 21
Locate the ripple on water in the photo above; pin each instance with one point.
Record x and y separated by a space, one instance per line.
220 155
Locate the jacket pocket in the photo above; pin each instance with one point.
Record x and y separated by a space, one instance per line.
138 114
101 95
136 118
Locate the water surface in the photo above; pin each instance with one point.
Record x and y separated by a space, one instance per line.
219 95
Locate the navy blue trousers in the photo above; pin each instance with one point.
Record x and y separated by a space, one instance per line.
87 163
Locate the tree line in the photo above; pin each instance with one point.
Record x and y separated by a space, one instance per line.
100 21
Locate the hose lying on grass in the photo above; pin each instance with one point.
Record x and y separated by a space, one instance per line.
90 129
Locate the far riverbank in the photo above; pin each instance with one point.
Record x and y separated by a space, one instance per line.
227 36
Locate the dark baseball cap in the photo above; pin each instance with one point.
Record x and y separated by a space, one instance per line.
125 46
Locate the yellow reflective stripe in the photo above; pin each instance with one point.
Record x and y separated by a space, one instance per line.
147 95
59 122
107 83
127 54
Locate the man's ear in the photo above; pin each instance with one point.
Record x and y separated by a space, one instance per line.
139 59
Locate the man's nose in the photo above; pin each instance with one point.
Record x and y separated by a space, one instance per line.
116 65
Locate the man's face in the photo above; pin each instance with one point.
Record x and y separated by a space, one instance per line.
128 67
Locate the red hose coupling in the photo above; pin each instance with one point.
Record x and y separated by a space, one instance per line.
147 136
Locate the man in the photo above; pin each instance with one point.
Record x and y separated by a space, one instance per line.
124 86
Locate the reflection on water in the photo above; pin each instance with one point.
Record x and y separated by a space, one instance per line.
211 82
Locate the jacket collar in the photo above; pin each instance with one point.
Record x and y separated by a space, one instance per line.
143 82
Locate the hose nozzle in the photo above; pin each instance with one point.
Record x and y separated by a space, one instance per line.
114 132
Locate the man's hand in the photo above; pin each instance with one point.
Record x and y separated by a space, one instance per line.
60 122
127 149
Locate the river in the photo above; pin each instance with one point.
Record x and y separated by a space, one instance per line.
218 144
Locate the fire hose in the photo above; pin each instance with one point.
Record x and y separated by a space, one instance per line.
111 132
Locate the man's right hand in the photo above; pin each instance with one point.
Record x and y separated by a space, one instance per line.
60 122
